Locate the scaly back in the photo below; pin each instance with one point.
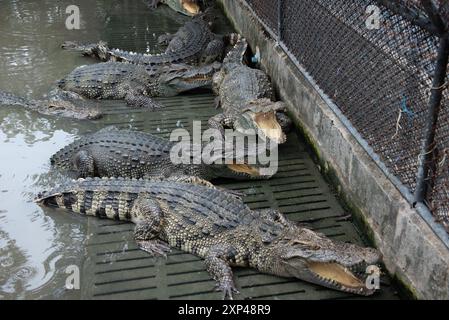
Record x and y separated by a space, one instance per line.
234 58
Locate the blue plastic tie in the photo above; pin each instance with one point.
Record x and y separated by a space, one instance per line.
405 108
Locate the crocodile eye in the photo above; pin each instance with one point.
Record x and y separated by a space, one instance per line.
308 245
55 107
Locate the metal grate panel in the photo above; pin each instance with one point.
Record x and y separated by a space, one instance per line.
116 269
267 11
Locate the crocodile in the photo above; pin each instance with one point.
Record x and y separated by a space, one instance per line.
191 214
194 43
186 7
111 152
136 84
58 103
245 95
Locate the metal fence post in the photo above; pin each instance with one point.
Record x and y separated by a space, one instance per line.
280 19
428 141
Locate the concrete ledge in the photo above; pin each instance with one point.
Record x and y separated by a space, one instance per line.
413 253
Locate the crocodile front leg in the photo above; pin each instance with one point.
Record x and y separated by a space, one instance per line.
136 99
148 215
220 121
152 4
219 268
284 121
164 39
213 52
84 164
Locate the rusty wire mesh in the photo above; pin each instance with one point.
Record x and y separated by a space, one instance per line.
380 78
267 12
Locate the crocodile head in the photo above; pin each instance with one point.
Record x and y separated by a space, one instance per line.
312 257
58 103
70 105
260 116
187 7
178 78
69 109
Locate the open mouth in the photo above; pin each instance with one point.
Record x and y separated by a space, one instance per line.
190 7
337 276
268 124
244 168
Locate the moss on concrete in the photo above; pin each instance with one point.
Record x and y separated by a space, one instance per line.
359 219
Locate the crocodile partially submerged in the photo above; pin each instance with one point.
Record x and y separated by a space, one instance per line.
186 7
58 103
192 215
111 152
194 43
245 95
136 84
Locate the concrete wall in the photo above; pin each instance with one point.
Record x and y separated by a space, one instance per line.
412 251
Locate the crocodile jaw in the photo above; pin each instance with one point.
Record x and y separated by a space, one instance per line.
312 257
270 127
336 276
244 168
190 7
189 78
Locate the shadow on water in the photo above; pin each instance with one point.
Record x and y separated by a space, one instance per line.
37 246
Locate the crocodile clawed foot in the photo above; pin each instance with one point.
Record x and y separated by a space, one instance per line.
156 105
156 248
228 290
68 45
152 4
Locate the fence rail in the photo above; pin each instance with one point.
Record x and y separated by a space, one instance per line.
385 65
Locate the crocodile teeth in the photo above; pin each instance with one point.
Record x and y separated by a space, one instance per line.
336 274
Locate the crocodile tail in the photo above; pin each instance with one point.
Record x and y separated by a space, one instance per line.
236 56
7 98
90 197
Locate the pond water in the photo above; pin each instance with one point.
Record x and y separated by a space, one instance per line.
35 246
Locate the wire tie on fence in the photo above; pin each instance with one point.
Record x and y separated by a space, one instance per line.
398 125
443 86
428 152
405 108
441 163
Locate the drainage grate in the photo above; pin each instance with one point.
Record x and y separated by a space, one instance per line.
115 269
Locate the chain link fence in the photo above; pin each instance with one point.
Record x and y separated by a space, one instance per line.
378 60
